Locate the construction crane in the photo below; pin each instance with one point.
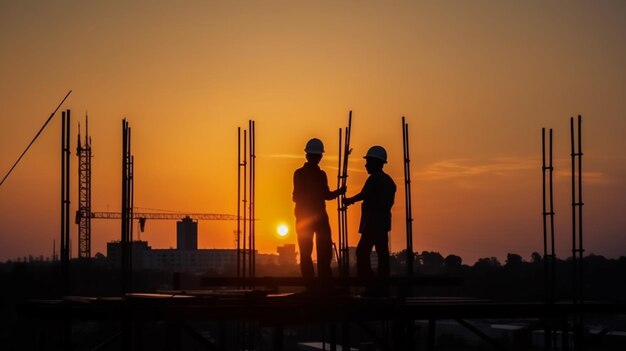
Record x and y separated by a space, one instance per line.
84 213
143 216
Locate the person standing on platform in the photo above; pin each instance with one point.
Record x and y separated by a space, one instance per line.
378 195
310 193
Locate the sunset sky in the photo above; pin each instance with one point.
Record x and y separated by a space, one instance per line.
476 80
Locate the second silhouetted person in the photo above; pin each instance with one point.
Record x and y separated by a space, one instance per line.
378 195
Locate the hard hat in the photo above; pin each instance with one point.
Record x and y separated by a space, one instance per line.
314 146
377 152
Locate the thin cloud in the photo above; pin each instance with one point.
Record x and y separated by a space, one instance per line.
332 165
501 166
296 156
287 156
465 167
588 177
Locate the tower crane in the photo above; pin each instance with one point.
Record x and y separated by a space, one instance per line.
143 216
84 215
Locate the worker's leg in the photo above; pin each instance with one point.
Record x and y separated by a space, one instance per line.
305 243
324 244
382 250
363 250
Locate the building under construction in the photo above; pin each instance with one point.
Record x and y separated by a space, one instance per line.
247 312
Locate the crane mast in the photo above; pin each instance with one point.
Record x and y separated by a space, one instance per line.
83 152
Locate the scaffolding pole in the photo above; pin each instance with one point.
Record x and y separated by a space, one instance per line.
127 209
339 204
244 205
344 250
65 200
65 223
549 256
407 200
239 165
252 195
246 196
577 231
577 212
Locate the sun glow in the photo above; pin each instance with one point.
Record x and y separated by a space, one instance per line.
282 230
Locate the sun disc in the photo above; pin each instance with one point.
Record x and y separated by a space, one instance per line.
282 230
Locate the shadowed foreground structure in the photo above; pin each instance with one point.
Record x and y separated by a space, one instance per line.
246 312
258 319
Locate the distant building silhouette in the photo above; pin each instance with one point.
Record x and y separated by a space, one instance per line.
114 253
187 234
174 260
220 261
287 254
215 260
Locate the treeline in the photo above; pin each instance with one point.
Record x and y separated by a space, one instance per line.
518 279
513 279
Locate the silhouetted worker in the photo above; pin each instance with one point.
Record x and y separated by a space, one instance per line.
310 192
378 195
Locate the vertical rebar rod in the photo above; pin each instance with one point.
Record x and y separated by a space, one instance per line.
127 185
252 258
345 248
244 202
574 222
123 237
239 202
125 245
67 197
339 205
131 202
253 224
549 255
65 220
87 251
65 200
62 249
577 203
346 244
129 217
250 199
544 214
407 199
544 186
581 250
577 230
552 243
127 209
253 196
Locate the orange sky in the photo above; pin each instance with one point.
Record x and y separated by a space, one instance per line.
476 80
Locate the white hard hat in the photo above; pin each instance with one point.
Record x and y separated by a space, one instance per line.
314 146
377 152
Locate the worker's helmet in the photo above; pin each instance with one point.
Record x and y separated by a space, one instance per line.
314 146
377 152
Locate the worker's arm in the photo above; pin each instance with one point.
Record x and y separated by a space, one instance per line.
329 195
334 194
365 192
356 198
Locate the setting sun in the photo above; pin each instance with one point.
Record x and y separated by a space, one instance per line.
282 230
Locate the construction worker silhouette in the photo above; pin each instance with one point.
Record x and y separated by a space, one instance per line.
378 195
310 192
